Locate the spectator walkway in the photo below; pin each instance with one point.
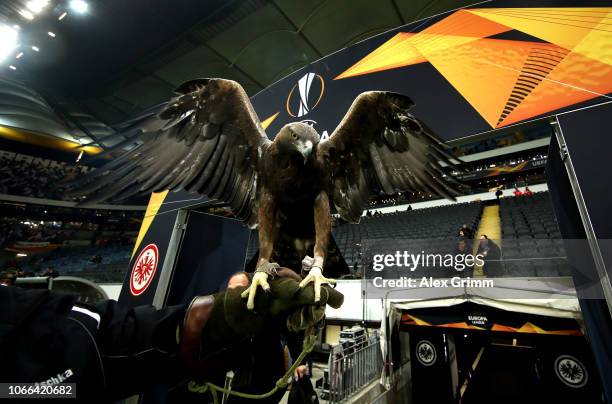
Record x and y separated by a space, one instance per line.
490 224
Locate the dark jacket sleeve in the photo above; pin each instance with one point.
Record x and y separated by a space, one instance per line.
110 353
139 346
32 324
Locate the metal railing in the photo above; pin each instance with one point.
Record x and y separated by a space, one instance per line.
353 367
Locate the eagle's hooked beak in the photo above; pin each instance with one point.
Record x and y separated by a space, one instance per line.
305 149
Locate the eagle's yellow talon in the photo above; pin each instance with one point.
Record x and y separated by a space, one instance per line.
259 279
316 276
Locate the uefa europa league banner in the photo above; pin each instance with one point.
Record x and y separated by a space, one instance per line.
468 71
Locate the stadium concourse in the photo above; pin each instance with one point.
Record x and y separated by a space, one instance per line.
163 163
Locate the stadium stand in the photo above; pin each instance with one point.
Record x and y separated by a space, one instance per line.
528 217
422 226
502 140
96 263
93 244
35 177
531 244
101 264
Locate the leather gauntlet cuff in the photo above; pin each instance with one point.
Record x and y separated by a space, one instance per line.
196 318
213 331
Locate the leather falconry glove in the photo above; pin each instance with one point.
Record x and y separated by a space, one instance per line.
270 270
216 325
289 302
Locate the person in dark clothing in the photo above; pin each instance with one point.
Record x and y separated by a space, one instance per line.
302 391
466 232
7 277
50 271
498 194
490 252
46 338
484 245
264 360
464 247
263 365
111 351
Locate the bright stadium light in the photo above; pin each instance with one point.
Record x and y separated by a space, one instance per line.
79 6
8 41
35 48
36 6
62 16
26 14
12 67
51 34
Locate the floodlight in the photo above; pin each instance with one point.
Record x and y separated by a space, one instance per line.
79 6
36 6
8 41
26 14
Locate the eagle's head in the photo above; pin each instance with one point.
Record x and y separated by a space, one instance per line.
298 137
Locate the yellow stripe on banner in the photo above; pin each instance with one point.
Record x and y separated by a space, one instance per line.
155 202
268 121
417 320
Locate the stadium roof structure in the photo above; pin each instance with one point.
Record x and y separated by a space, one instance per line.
119 58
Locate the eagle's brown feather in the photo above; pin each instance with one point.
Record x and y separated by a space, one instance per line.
379 147
209 140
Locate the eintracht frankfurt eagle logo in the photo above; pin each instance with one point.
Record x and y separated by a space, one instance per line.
571 371
426 353
144 269
310 88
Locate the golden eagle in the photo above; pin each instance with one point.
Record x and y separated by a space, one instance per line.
209 140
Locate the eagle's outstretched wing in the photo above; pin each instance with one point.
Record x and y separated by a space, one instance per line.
381 148
208 140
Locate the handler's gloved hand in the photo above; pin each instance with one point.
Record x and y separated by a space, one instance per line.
286 300
215 325
302 307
